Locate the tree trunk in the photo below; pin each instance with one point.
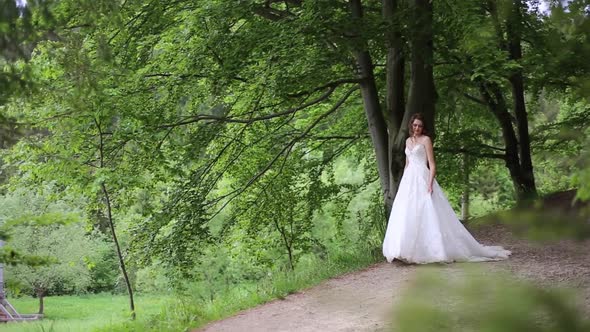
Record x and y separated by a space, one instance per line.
518 159
288 244
111 223
497 104
395 93
375 118
118 247
422 94
513 31
41 296
395 66
466 188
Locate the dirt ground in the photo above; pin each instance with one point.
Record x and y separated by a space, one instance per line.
363 300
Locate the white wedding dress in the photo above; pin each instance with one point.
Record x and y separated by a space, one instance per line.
423 228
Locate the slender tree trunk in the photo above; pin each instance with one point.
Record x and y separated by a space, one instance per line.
517 81
111 223
41 296
291 263
466 189
374 114
118 247
288 244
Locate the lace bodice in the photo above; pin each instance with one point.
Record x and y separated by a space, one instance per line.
417 155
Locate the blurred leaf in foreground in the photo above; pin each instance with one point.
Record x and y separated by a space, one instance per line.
477 300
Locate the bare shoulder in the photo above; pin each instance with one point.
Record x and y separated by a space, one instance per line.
426 141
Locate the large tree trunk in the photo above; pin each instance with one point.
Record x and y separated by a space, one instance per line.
422 94
388 132
395 92
395 66
513 29
375 118
493 96
518 155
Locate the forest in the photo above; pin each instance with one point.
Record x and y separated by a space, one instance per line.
170 163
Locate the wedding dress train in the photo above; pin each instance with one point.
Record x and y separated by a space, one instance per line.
423 228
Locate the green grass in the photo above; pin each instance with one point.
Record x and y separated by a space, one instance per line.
180 312
82 313
188 312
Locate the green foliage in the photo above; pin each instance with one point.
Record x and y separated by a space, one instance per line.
233 143
478 301
187 309
51 232
190 309
192 116
72 252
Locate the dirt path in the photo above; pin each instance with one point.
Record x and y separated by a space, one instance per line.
363 300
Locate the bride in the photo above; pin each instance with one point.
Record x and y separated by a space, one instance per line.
423 228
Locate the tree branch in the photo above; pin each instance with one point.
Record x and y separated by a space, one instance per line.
333 84
474 99
203 117
471 153
338 137
284 150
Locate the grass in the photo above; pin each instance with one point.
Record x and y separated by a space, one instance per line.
82 313
179 312
188 312
278 286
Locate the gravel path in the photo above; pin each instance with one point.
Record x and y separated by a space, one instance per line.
363 300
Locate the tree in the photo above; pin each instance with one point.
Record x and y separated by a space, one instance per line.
53 230
70 269
198 111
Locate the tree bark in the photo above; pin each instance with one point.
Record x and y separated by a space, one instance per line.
374 114
111 223
466 189
493 96
513 30
41 296
518 158
395 66
422 94
395 93
288 244
119 253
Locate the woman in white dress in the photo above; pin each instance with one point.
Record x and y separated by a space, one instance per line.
423 228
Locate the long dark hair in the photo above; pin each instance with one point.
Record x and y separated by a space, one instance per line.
417 116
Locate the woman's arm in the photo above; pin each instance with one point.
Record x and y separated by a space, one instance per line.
431 163
406 166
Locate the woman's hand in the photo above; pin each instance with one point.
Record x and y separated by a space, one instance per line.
430 189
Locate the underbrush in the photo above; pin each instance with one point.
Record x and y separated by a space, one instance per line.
182 310
187 310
